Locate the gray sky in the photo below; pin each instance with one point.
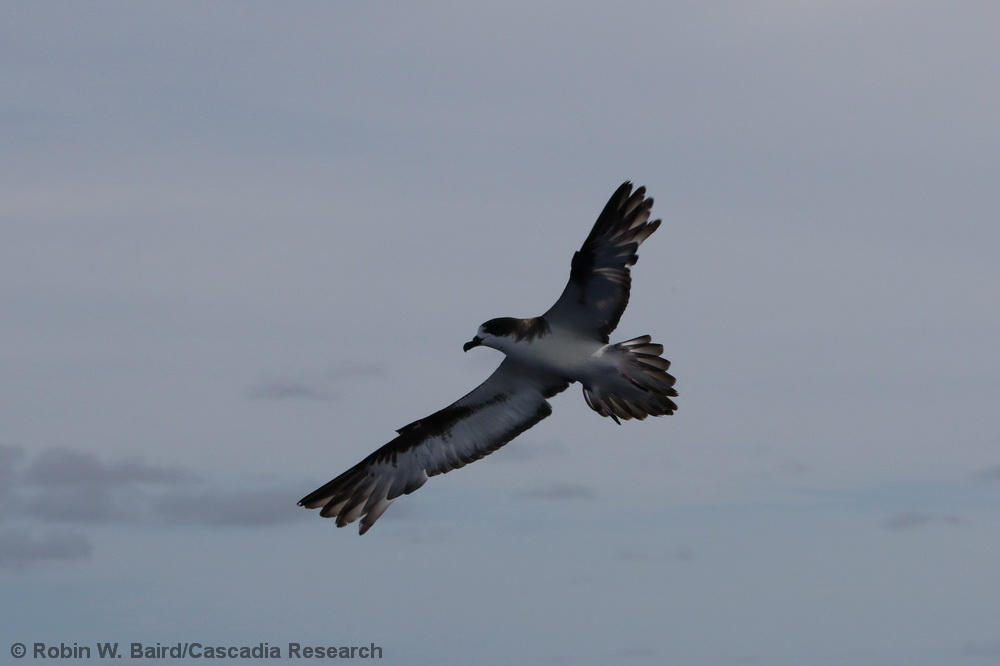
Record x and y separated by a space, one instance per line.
243 242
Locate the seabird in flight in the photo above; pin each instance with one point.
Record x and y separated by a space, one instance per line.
567 344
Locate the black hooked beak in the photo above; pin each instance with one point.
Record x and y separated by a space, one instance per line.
474 342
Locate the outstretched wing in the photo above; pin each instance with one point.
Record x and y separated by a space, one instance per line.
512 400
599 280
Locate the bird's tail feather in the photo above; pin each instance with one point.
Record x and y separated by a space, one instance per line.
643 387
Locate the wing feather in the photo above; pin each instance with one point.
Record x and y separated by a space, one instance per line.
509 402
599 283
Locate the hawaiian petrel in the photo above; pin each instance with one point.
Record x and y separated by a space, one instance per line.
569 343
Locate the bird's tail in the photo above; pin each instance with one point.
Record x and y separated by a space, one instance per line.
642 387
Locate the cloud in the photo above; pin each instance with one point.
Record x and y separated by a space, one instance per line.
70 485
323 386
67 467
679 554
61 486
527 449
987 474
913 520
218 507
20 547
982 649
289 389
784 470
9 455
65 485
642 654
10 459
83 504
560 491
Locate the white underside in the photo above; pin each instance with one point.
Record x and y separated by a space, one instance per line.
565 355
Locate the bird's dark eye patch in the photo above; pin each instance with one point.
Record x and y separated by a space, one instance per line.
501 327
519 329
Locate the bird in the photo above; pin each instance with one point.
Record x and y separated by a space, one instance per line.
544 355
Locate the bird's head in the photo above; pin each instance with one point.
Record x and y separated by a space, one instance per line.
493 333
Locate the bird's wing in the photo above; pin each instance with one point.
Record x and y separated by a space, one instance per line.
599 281
512 400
